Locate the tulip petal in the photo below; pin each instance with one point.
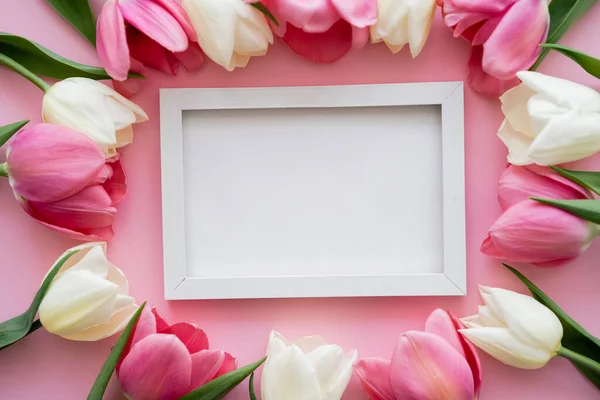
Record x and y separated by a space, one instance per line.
111 41
150 53
205 365
161 324
277 344
290 376
116 186
359 13
425 366
514 107
561 91
101 233
514 45
177 11
326 47
156 22
157 367
309 343
118 321
192 59
341 377
517 144
81 251
48 163
420 18
145 326
374 375
483 82
190 335
313 16
229 365
333 369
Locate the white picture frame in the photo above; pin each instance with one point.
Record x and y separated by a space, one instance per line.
450 280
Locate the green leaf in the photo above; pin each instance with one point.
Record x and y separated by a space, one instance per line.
587 179
575 337
586 209
101 382
218 388
252 393
563 14
7 131
263 9
79 14
18 327
42 61
585 61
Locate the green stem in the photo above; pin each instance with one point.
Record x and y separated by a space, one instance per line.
580 359
24 72
3 169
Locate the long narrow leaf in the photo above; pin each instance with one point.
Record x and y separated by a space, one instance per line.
575 337
220 387
42 61
587 179
101 382
18 327
79 14
586 209
7 131
263 9
590 64
251 389
563 14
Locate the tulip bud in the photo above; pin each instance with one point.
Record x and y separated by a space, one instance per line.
515 329
94 109
88 300
307 368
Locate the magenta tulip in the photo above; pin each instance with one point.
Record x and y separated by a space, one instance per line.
532 232
61 178
156 33
323 30
505 35
164 362
438 364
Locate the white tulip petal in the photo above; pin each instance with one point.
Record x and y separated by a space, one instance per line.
80 252
528 319
517 144
503 346
124 136
487 317
94 261
420 20
514 107
392 17
277 344
562 91
118 321
116 276
290 376
343 374
114 97
77 300
309 343
327 361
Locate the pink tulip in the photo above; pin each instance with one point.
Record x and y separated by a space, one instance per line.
505 35
438 364
156 33
323 30
164 362
61 178
532 232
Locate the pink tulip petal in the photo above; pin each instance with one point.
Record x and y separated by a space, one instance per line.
190 335
313 16
145 326
489 248
374 375
205 365
229 365
180 15
157 367
48 163
131 86
484 83
192 59
519 183
536 233
111 41
116 186
150 53
360 37
155 22
324 47
515 42
161 324
425 366
359 13
446 325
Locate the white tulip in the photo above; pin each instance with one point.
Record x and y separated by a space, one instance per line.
229 31
306 369
88 300
550 120
514 328
94 109
401 22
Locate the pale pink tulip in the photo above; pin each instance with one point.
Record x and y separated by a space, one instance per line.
438 364
323 30
532 232
156 33
505 35
164 362
61 178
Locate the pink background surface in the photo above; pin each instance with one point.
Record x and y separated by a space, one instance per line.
46 366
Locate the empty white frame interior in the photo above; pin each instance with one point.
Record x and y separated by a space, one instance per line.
313 191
